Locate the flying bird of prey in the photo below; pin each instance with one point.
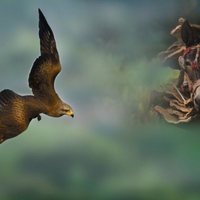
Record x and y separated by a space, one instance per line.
17 111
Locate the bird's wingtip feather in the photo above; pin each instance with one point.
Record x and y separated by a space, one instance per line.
41 15
39 11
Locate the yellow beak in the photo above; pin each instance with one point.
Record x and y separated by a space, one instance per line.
70 113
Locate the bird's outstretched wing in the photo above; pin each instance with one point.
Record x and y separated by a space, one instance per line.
13 118
47 65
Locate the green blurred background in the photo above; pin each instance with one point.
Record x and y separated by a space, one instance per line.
111 150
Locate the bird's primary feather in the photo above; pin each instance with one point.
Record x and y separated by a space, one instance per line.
47 41
47 65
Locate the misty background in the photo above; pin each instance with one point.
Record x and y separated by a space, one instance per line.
111 149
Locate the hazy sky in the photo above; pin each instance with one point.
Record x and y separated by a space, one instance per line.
107 50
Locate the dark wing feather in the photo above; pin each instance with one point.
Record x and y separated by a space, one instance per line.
47 66
47 41
6 99
13 118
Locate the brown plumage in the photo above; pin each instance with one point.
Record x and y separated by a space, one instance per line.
17 111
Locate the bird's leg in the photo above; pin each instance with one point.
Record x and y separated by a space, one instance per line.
39 117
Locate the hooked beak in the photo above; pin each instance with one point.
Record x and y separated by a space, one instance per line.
70 113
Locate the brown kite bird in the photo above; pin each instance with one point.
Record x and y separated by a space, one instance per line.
17 111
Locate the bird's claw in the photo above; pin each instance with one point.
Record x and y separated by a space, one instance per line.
39 117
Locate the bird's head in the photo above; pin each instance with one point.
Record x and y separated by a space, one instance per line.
66 109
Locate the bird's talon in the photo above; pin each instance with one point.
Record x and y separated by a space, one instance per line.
39 117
